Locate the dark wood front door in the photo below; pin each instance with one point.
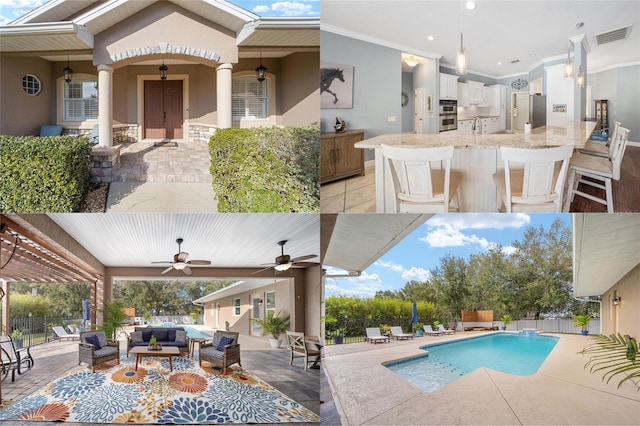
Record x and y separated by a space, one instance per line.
163 109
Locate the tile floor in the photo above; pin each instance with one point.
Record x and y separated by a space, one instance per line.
351 195
147 161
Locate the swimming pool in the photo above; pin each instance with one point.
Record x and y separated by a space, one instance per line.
509 353
191 332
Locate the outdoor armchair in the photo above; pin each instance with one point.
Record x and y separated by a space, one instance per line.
399 334
13 359
94 348
299 348
223 351
374 335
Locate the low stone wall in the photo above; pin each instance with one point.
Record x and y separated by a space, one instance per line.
122 133
103 162
201 132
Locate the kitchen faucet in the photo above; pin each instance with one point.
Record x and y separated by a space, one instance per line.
477 122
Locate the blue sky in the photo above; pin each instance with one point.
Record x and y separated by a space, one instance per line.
459 235
13 9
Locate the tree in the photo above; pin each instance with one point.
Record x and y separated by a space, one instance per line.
451 287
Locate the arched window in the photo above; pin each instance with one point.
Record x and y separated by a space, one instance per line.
250 98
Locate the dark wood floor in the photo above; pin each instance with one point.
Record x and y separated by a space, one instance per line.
626 191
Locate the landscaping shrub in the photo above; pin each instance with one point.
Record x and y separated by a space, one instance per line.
266 169
42 175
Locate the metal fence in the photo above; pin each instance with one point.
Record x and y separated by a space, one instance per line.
352 330
29 331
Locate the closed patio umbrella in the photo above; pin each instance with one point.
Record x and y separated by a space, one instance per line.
414 315
86 311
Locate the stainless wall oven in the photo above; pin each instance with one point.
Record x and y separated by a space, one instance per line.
448 115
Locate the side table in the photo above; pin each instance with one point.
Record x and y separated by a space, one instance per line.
192 344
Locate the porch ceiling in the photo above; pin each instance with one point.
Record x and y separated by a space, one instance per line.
227 240
358 240
605 248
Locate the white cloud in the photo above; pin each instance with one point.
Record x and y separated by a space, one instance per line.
412 273
261 9
10 10
451 237
479 221
288 8
365 286
509 250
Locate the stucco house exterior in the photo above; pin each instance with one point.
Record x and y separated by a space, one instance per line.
115 49
297 295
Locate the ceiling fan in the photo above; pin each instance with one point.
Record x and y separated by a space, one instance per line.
284 261
180 262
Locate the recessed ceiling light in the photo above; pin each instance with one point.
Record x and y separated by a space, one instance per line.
430 38
499 63
470 5
533 55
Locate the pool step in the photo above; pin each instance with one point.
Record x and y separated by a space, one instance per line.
531 331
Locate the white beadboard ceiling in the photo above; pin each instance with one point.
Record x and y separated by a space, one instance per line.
606 248
496 31
358 240
227 240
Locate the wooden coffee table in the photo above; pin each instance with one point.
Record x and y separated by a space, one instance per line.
166 351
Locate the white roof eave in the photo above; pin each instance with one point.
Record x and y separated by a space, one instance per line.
48 29
278 23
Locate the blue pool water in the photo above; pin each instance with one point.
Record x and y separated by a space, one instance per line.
510 353
191 332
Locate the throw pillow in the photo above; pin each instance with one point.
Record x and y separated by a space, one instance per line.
93 339
171 335
146 336
224 342
161 335
181 336
136 337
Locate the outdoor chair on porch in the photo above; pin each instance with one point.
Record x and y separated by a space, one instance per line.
223 351
299 348
94 348
13 359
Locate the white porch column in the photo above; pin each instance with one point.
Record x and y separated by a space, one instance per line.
105 104
223 91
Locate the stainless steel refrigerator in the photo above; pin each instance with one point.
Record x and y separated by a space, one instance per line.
537 111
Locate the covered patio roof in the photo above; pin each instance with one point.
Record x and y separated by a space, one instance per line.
605 248
354 241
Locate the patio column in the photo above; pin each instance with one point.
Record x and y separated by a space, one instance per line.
223 91
105 104
5 307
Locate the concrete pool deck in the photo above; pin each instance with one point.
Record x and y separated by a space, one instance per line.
561 392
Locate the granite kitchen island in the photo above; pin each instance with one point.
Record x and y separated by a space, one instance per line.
477 157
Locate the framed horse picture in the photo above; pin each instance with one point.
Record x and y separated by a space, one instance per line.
336 85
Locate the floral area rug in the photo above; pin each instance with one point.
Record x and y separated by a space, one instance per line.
153 394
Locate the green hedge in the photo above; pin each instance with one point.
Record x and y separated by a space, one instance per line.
266 169
43 175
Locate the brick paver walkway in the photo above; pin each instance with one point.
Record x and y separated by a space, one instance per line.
180 162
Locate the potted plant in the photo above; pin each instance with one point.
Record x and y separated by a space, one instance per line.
436 324
153 344
274 325
418 328
146 317
582 321
18 338
338 336
194 316
113 317
385 329
506 320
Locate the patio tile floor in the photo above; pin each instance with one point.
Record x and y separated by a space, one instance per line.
53 359
184 162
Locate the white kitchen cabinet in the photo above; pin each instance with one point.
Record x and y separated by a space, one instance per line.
486 126
476 92
463 95
465 127
448 87
490 96
498 105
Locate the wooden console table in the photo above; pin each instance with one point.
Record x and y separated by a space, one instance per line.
339 158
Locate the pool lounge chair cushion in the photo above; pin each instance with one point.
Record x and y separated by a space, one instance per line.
374 335
399 334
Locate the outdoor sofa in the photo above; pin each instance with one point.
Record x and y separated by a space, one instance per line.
165 336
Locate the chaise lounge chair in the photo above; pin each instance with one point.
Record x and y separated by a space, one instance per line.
61 333
443 330
374 335
429 331
399 334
